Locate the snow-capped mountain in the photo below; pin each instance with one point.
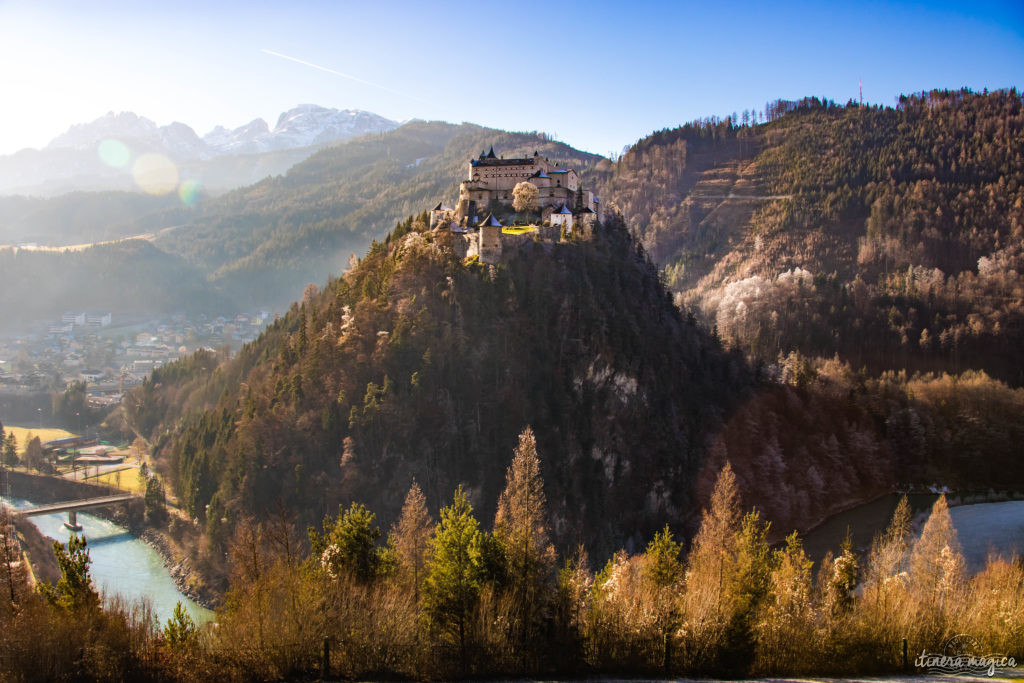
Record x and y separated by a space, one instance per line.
176 140
305 125
220 160
240 140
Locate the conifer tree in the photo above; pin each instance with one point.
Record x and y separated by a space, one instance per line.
885 579
841 578
521 521
521 527
180 631
745 589
708 602
664 572
936 561
349 544
411 537
663 568
74 590
786 621
889 550
10 450
451 587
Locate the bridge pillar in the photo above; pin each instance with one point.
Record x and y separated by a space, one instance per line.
72 522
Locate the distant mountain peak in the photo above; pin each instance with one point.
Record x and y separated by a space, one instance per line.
301 126
70 161
123 124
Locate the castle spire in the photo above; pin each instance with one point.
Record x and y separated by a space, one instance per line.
490 155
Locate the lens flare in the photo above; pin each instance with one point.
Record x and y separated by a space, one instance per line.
114 153
155 174
189 191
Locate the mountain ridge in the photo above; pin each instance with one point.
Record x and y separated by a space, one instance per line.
76 160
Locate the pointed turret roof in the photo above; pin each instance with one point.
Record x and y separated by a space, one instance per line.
490 154
564 209
490 221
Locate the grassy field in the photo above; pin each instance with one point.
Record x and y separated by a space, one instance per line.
126 480
24 434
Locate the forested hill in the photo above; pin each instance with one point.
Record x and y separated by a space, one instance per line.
420 365
892 236
417 364
264 243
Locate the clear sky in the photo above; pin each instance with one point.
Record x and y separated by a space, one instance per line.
598 75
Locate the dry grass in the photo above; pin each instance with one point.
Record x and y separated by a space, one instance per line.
126 479
25 434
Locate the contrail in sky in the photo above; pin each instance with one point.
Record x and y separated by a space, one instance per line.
338 73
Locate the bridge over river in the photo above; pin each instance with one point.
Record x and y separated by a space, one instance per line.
73 506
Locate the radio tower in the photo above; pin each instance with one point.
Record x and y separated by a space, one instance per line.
860 88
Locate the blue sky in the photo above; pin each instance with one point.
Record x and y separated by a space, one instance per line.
599 75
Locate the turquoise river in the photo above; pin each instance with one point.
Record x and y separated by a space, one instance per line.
122 564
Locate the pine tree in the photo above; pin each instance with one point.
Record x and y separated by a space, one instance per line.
746 588
889 550
180 631
664 572
885 580
349 544
451 588
521 527
841 578
786 618
708 601
10 450
521 521
663 568
411 538
936 561
74 590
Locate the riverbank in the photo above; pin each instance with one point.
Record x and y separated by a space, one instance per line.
866 519
38 551
179 566
41 488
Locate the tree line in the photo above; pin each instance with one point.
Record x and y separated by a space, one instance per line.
448 598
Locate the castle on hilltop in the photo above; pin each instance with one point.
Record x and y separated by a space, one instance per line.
565 208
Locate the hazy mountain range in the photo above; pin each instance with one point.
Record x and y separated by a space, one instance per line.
220 160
